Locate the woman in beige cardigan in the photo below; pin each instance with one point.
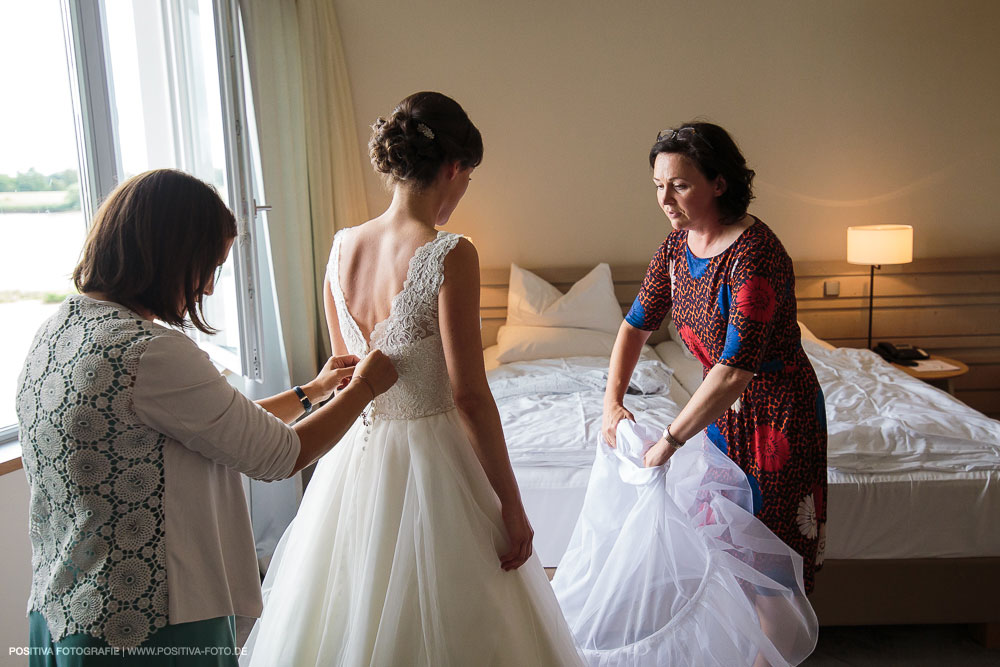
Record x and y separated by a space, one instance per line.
133 443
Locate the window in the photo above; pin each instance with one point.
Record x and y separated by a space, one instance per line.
166 106
113 89
42 225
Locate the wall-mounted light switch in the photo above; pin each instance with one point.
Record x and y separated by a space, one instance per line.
831 288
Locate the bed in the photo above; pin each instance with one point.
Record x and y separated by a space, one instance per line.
913 532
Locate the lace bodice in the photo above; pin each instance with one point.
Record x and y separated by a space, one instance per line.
409 336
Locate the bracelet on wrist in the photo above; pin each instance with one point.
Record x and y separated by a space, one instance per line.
671 440
303 399
367 382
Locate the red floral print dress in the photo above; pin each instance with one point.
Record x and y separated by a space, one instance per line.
738 309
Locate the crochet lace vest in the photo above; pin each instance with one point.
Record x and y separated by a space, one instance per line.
96 477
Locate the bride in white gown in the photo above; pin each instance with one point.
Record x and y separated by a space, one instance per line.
411 546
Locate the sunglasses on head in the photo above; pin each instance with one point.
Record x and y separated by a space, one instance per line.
686 133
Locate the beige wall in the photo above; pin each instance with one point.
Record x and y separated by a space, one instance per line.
851 112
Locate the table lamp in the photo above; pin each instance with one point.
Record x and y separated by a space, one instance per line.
876 245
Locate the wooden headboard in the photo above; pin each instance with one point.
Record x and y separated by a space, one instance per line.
949 306
495 282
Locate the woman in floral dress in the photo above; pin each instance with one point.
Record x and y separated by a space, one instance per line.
727 283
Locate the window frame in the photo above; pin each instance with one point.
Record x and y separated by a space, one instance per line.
241 182
85 28
100 169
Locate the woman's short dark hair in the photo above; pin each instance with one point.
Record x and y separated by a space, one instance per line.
155 244
425 131
715 153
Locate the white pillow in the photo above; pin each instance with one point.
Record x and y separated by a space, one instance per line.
490 357
676 337
590 304
809 335
517 343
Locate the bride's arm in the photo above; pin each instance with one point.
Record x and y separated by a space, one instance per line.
337 343
338 369
463 349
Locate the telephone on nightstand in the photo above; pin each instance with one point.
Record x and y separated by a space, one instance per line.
900 353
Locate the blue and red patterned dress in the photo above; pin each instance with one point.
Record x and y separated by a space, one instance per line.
738 309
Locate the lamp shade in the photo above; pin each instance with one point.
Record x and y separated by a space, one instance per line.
880 244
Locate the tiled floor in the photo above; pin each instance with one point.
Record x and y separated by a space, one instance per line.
882 646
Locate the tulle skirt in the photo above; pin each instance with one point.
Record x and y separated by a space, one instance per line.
668 566
392 559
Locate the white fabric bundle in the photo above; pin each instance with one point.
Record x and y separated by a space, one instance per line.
667 565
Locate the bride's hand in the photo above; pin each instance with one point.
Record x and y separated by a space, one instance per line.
609 421
520 534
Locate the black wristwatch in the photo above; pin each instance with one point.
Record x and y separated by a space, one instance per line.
303 399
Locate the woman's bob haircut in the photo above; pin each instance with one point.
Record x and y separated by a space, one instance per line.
155 244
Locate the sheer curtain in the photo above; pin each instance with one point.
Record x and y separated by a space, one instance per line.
336 185
310 158
310 166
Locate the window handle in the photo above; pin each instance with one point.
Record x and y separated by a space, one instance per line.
261 207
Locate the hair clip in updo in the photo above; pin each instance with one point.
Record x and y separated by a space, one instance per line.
426 131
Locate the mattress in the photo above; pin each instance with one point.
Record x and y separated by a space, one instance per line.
552 497
913 472
917 515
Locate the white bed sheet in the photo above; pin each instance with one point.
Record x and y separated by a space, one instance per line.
914 473
881 420
551 408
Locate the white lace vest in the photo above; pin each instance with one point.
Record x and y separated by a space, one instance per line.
409 336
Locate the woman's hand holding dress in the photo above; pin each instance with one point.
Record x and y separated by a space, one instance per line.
624 356
613 413
658 454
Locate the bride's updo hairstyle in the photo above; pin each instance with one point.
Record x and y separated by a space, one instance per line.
424 132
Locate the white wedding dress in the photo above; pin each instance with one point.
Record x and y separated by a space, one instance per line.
392 558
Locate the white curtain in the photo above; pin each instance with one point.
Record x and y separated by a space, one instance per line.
310 165
310 158
336 184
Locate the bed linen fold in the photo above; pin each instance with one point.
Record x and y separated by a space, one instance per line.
881 420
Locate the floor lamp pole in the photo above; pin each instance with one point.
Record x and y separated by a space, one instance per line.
871 302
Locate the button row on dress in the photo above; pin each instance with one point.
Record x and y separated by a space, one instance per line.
367 418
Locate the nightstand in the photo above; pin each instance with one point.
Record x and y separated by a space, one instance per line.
940 379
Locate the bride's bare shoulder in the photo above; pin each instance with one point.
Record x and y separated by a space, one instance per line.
398 233
362 230
462 263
